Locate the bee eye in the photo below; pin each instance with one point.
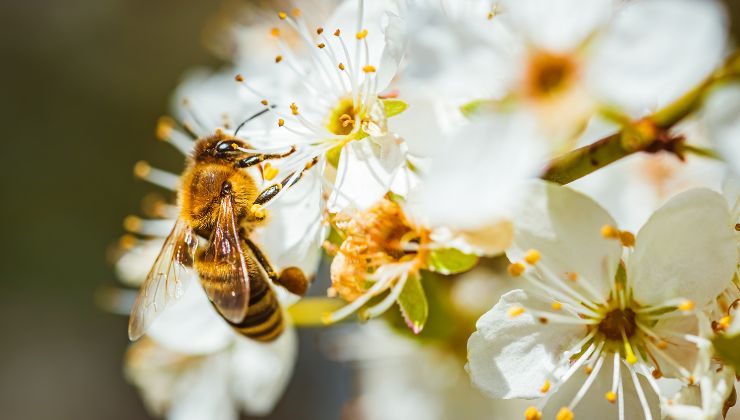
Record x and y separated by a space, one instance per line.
226 147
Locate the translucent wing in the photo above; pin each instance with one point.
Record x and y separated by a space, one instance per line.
165 282
223 267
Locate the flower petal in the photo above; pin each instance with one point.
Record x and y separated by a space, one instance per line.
648 58
192 325
203 392
721 113
686 249
513 357
565 227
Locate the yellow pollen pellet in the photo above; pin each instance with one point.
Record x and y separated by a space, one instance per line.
532 256
321 45
258 211
275 32
609 232
515 311
362 34
686 306
627 238
281 122
369 69
264 102
611 396
282 15
545 387
341 66
319 30
142 169
531 413
557 306
337 32
564 414
724 322
270 172
516 269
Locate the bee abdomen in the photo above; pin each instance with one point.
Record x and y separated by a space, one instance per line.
264 320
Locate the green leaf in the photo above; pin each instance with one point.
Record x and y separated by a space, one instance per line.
450 261
394 107
728 348
413 304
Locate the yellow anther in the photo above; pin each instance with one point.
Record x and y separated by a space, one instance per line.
321 45
275 32
239 78
687 305
294 108
282 15
296 12
264 102
588 369
531 413
627 238
532 256
281 122
369 69
556 306
571 276
724 322
142 169
516 269
609 232
337 32
491 15
691 379
278 58
564 414
515 311
269 172
257 211
319 30
362 34
341 66
611 396
165 125
127 241
662 345
132 223
545 387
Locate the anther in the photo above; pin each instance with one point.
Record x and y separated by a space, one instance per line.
319 30
516 269
532 257
282 15
296 12
337 32
515 311
269 172
611 396
164 127
369 69
564 414
662 345
545 387
321 45
556 306
281 122
724 322
627 238
294 108
127 241
362 34
132 223
275 32
264 102
571 276
687 305
531 413
609 232
239 78
341 66
588 369
278 58
142 169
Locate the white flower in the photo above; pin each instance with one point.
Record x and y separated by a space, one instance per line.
722 116
334 112
588 333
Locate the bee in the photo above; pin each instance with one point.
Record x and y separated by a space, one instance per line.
219 200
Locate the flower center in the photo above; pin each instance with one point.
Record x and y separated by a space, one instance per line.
618 321
342 118
548 73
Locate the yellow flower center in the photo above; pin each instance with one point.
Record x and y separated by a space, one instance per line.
548 74
342 118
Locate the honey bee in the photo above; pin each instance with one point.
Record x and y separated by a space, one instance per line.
220 200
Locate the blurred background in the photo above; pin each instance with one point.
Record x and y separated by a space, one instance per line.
83 83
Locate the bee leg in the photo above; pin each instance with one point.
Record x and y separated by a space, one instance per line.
256 159
291 278
270 192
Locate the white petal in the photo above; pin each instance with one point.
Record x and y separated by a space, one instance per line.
557 24
192 325
648 58
203 392
512 358
475 180
365 172
395 46
565 227
135 264
594 404
687 249
722 116
261 371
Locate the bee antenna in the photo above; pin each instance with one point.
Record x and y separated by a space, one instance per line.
251 118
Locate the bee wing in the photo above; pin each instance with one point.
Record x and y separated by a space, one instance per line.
228 289
165 281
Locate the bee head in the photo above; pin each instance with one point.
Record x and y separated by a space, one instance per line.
219 147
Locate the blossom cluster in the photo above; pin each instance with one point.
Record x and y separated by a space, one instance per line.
429 143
